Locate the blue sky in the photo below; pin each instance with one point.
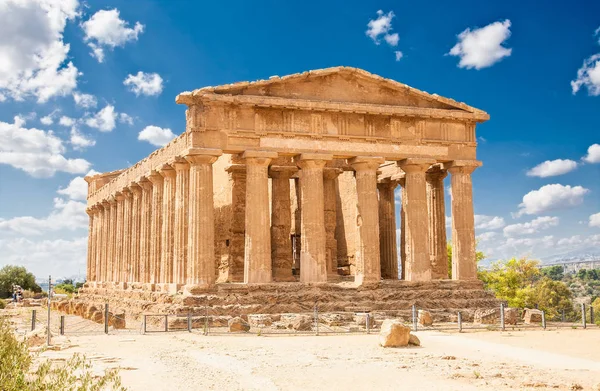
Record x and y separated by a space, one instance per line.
515 60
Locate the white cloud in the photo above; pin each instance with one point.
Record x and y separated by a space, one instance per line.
32 52
104 120
144 83
595 220
47 120
381 27
40 256
535 225
482 47
80 140
593 154
553 168
66 121
78 188
66 215
86 101
106 29
484 222
156 136
399 55
486 236
37 152
125 119
551 197
588 76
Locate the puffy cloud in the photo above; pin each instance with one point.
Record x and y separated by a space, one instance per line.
47 120
80 140
487 236
86 101
78 188
484 222
40 256
66 215
32 52
588 76
104 120
392 39
66 121
399 55
482 47
106 29
595 220
125 119
144 83
156 136
37 152
380 26
552 168
593 154
535 225
551 197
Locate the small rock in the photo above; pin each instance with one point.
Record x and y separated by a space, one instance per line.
238 324
424 318
302 323
532 316
511 315
393 334
414 340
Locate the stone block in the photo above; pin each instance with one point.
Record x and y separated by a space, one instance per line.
424 318
238 324
302 323
393 334
414 340
486 316
360 319
511 316
532 316
260 320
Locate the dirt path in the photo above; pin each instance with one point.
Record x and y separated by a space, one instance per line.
471 361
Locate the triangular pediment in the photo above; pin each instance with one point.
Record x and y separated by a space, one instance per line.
339 84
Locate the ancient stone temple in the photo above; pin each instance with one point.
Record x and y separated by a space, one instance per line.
289 182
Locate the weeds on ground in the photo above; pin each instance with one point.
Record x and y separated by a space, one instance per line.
18 374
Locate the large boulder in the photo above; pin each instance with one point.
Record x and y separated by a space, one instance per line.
424 318
393 334
117 320
532 316
238 324
511 316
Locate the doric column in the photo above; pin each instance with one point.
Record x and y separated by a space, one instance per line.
119 242
257 264
136 204
387 229
330 203
126 264
145 230
156 226
436 207
168 221
201 222
99 243
313 256
112 239
464 263
91 255
182 191
106 241
234 270
368 266
281 223
418 266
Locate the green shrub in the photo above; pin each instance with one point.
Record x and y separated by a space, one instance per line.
2 304
74 374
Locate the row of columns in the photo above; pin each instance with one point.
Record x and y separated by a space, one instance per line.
160 229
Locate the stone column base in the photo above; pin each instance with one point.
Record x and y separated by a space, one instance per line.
169 288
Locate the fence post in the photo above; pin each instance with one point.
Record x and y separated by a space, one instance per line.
563 318
583 320
591 314
62 325
189 319
368 325
206 320
459 322
316 315
502 316
144 324
166 323
414 317
544 319
33 313
106 318
49 315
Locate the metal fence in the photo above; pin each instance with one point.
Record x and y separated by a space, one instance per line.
208 321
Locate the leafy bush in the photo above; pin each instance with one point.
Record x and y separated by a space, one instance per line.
16 275
2 304
75 374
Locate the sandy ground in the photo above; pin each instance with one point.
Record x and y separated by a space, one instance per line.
563 359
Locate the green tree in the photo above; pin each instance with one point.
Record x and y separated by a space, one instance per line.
556 273
512 280
479 255
551 296
582 274
16 275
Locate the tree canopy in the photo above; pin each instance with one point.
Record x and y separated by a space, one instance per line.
16 275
